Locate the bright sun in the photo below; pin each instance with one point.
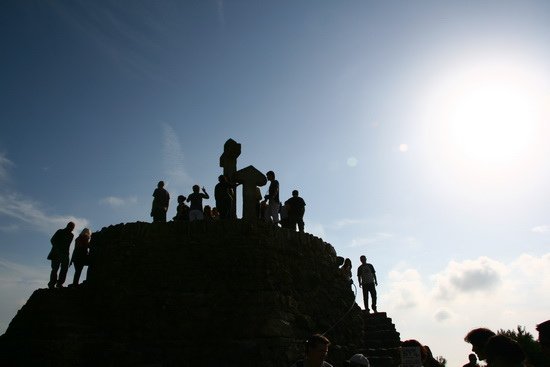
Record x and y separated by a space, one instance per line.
488 115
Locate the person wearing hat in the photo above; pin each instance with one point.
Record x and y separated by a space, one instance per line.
358 360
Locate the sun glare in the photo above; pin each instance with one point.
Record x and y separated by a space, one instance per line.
492 122
484 126
489 115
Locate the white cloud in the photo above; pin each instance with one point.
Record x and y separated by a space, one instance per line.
443 307
406 289
116 202
541 229
29 212
443 314
481 275
174 158
352 162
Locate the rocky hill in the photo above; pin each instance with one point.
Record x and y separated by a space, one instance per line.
218 293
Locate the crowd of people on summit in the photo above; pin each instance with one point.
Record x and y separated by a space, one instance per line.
269 208
489 348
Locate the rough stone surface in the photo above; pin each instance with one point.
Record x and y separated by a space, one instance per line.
222 293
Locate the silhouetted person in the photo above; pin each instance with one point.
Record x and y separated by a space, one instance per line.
80 254
207 213
182 210
272 212
366 276
195 209
479 338
315 353
296 207
473 361
59 255
161 199
544 337
224 195
345 270
501 351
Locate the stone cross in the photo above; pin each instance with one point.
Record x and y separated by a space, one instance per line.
228 161
250 178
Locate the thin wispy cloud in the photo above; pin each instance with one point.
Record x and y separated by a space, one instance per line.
132 46
26 211
14 275
346 222
371 240
174 158
5 164
221 13
117 202
541 229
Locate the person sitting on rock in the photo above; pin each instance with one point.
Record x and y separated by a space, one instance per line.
316 352
182 210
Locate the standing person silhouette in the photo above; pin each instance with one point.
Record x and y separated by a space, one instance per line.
296 210
195 208
272 212
367 280
59 255
224 195
80 254
161 199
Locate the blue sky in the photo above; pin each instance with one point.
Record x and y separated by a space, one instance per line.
415 131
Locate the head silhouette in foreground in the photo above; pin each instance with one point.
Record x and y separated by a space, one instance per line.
479 338
316 349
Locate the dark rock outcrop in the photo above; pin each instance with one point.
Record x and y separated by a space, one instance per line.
223 293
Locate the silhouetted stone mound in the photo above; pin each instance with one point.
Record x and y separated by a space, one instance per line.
222 293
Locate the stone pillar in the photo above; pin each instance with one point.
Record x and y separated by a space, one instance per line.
250 178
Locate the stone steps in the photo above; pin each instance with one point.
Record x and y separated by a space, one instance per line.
381 340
